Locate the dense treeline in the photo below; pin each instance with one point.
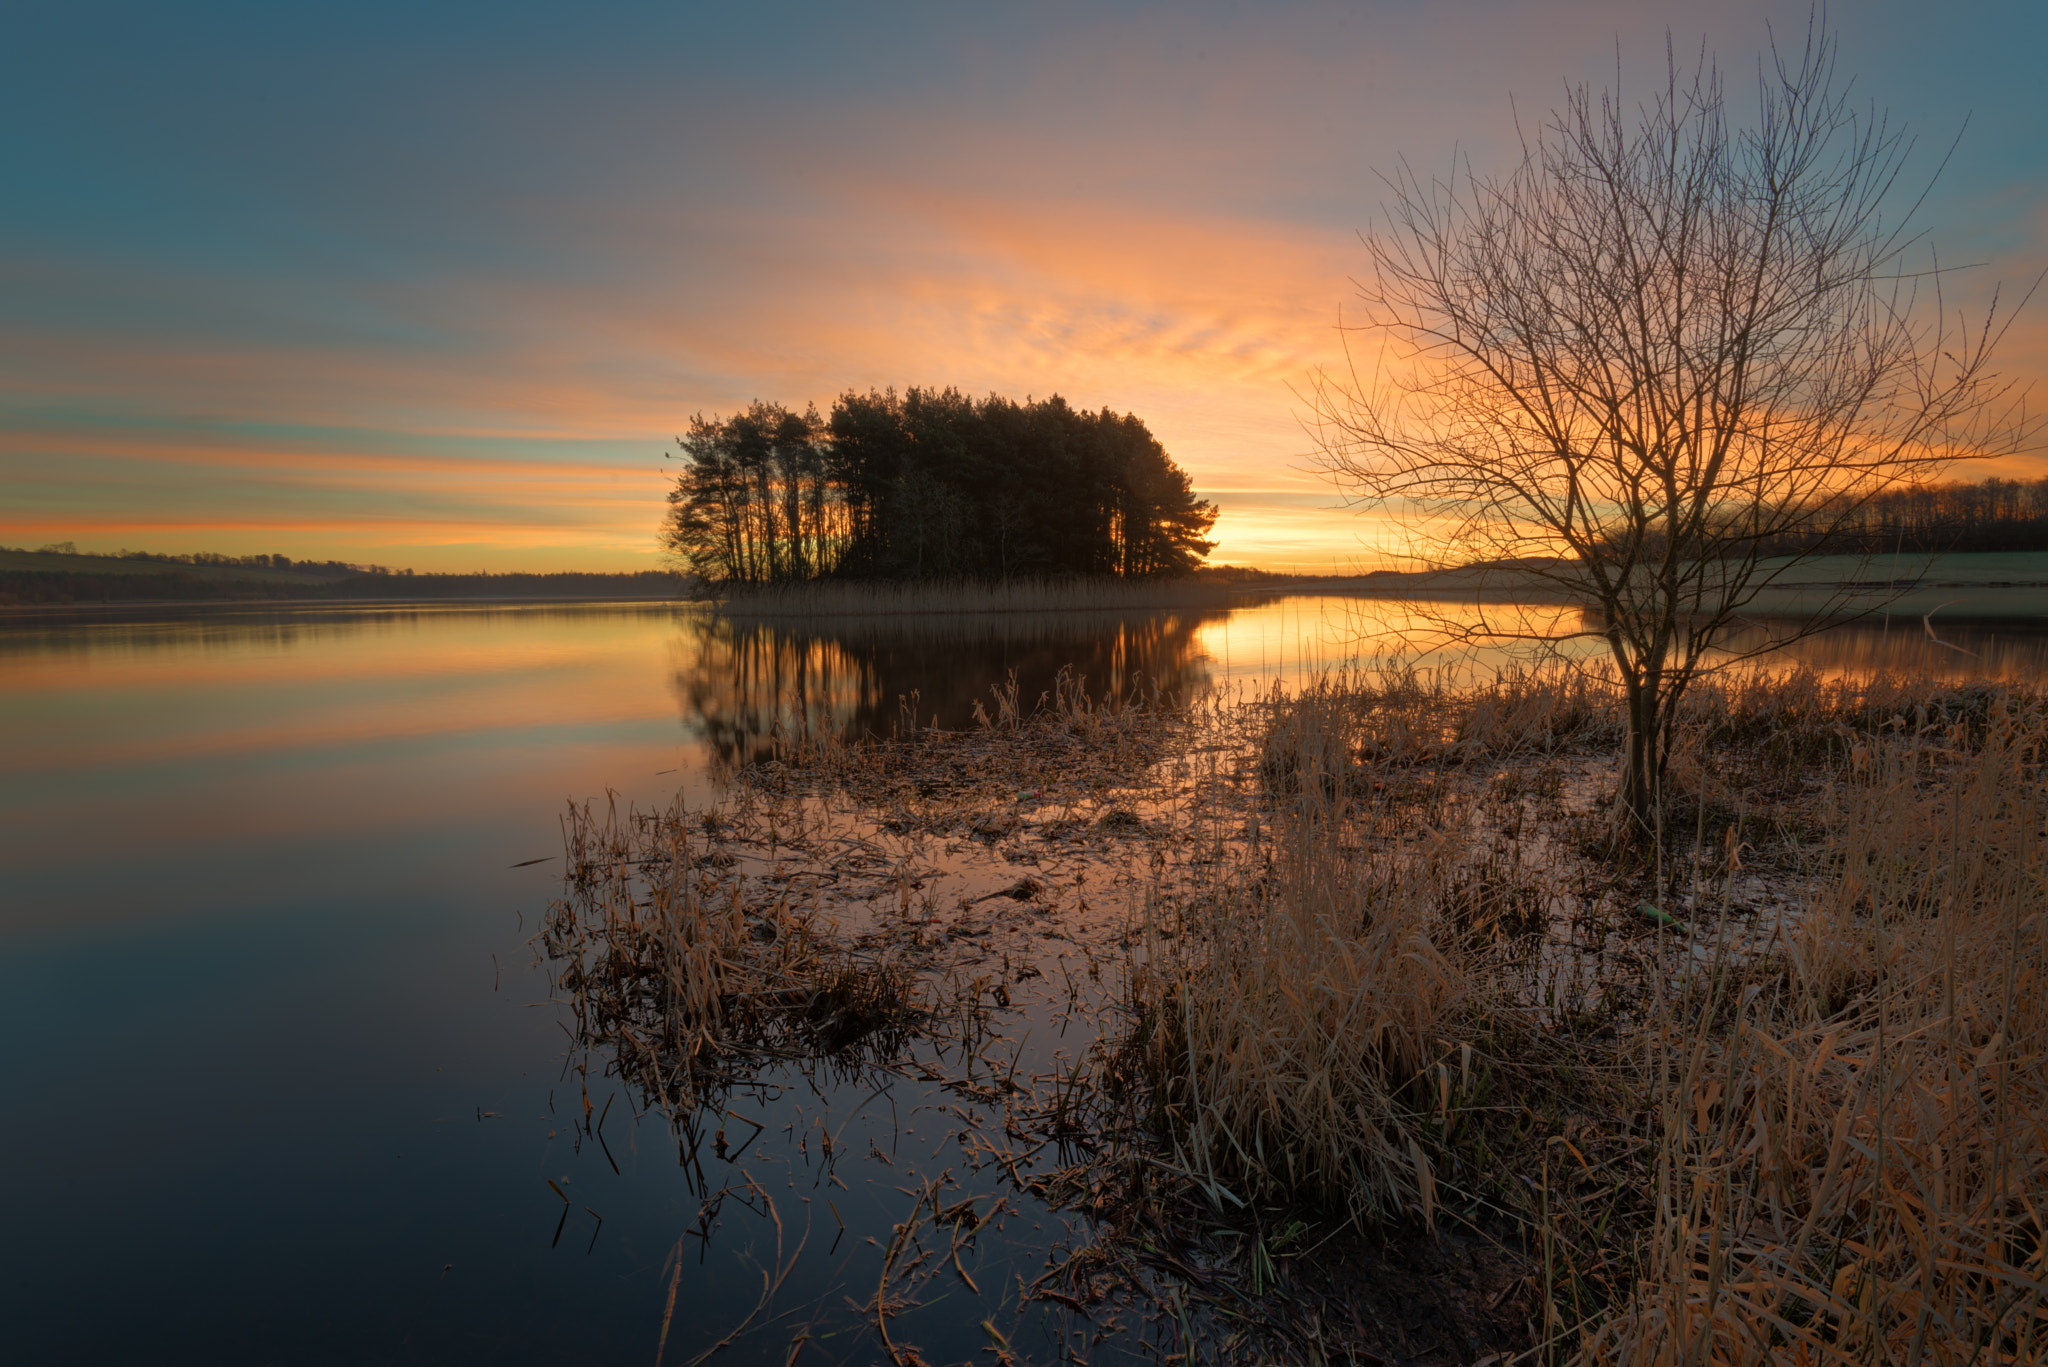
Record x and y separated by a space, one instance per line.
1995 515
214 559
513 584
931 485
1914 519
47 587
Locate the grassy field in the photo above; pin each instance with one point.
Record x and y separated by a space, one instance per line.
1993 585
2009 586
1969 569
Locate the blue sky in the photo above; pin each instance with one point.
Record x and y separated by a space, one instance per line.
436 285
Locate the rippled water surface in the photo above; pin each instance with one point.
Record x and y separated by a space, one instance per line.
283 1079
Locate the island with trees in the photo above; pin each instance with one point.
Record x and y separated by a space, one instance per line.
931 485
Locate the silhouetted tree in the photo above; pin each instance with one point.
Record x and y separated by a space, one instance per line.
755 501
1654 354
930 484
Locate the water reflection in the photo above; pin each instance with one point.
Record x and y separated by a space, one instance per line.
270 868
1904 646
1291 641
742 683
207 744
258 629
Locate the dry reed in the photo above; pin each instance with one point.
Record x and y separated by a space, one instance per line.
692 977
1852 1155
1303 1027
1832 1148
1383 971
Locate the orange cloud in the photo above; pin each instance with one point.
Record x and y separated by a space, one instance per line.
1123 220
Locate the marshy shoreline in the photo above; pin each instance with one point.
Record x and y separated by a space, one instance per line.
1371 1043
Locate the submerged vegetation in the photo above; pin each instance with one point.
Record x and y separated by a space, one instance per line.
1379 1046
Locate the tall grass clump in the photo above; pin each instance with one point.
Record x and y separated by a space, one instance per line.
1341 728
1808 1127
1852 1157
1300 1028
1282 1043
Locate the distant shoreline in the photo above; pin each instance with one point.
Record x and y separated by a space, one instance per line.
2007 590
142 608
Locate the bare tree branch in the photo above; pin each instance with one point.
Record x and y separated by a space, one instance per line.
1659 352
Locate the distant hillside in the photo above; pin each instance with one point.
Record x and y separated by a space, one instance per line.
61 576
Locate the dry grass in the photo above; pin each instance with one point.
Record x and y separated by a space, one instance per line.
691 977
1384 974
1824 1140
1283 1043
1852 1155
1303 1031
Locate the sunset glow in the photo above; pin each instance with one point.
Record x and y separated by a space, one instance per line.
440 290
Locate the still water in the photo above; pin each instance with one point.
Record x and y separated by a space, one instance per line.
283 1079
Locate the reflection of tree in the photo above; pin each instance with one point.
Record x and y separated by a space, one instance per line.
743 683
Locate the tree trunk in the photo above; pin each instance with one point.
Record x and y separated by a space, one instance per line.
1636 802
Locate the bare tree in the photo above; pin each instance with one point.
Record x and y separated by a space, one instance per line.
1659 347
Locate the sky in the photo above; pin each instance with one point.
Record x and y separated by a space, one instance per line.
436 286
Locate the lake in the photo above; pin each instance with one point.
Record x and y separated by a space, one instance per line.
286 1081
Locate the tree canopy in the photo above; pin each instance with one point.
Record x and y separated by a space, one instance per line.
930 484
